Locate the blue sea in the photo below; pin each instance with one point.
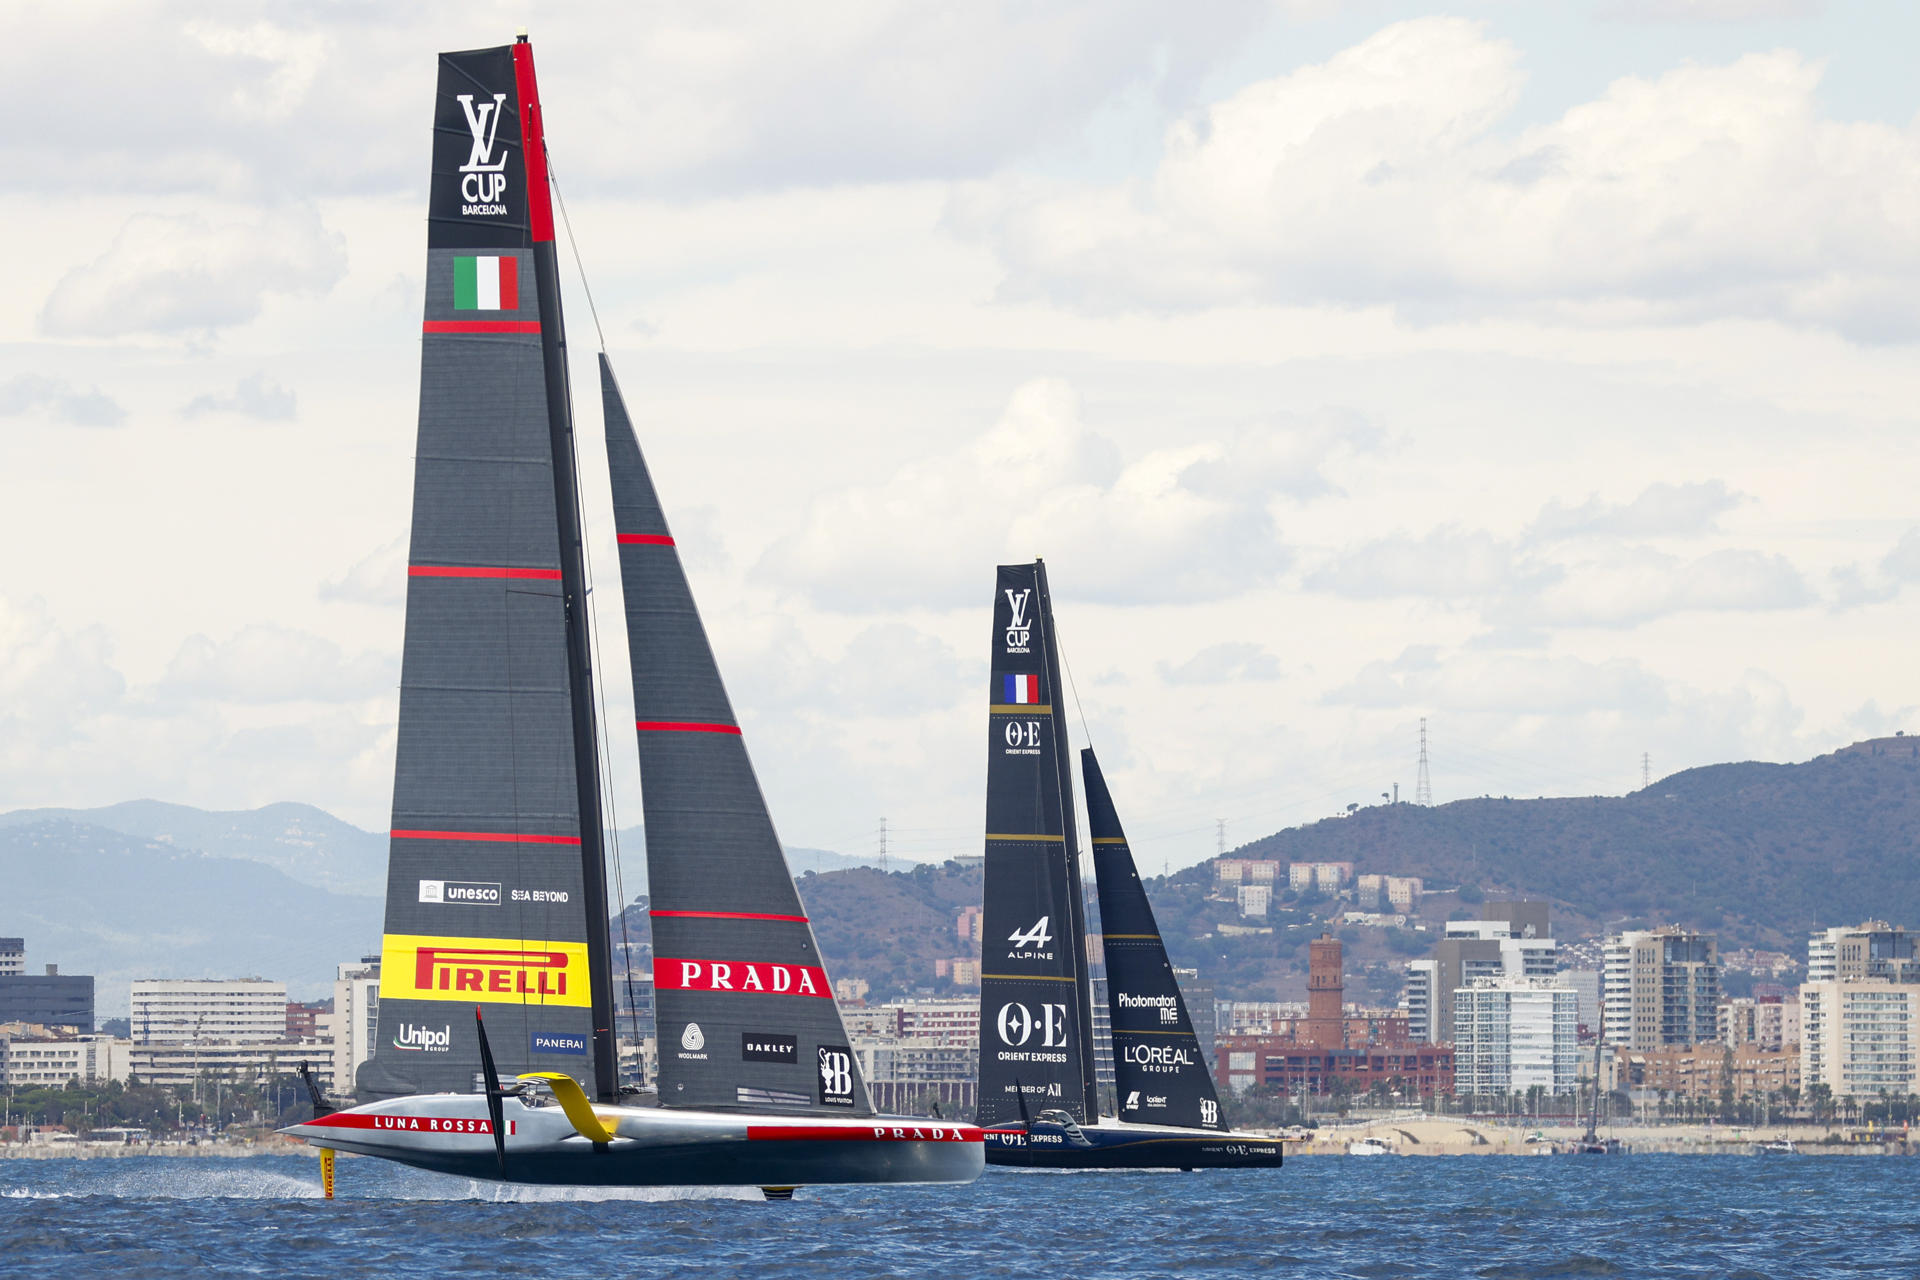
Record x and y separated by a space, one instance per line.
1784 1218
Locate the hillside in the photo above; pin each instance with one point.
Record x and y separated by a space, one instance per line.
119 907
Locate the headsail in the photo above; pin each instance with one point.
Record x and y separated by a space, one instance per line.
1036 1040
494 894
1159 1071
742 1001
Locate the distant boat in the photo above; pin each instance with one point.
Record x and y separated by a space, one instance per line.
1779 1147
1368 1147
1039 1102
496 894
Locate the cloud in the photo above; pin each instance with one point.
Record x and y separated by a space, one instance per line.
27 393
1854 585
253 397
1232 662
377 578
168 274
1383 177
1706 10
1178 524
1448 563
266 664
1660 510
1506 683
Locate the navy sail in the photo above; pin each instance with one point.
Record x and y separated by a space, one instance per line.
1159 1070
495 893
742 1000
1036 1041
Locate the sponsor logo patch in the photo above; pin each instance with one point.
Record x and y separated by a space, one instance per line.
539 895
486 970
693 1042
1019 625
473 892
1022 738
556 1042
758 976
1028 942
1157 1057
1168 1006
423 1039
483 180
836 1075
760 1046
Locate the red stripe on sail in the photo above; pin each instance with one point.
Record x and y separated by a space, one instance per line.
683 726
481 326
727 915
509 283
506 837
646 539
928 1132
479 571
533 144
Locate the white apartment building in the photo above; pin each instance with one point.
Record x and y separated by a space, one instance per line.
354 1025
13 957
185 1010
32 1056
1254 900
1768 1024
1513 1034
1860 1037
242 1062
1423 979
1660 987
1873 949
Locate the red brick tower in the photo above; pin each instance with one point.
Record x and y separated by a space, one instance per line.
1326 994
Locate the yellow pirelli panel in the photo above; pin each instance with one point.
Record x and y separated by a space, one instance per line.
488 970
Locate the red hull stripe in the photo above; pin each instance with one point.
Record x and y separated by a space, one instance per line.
506 837
864 1133
481 326
683 726
646 539
407 1124
479 571
726 915
533 144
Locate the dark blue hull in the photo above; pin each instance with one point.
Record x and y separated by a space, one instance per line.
1127 1147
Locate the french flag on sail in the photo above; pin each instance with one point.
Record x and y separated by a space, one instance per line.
1022 690
486 284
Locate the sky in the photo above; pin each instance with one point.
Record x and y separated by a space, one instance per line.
1542 371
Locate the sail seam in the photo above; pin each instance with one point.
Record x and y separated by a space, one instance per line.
514 837
1002 835
727 915
480 571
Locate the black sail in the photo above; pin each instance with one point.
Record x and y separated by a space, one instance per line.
1159 1071
742 1000
494 897
1036 1040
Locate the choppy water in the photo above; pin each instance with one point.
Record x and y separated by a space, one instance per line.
1508 1219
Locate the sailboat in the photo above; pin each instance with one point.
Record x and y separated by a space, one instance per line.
496 1055
1039 1096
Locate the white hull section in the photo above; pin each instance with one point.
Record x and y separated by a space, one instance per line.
651 1146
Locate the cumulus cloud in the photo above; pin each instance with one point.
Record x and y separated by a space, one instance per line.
1856 585
1232 662
1513 683
167 274
1383 176
1447 563
61 401
1659 511
265 664
253 397
1178 524
377 578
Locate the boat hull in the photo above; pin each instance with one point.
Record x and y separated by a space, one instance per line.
652 1146
1104 1146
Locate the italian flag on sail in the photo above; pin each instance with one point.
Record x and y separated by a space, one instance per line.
486 284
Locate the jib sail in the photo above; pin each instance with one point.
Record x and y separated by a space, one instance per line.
742 1000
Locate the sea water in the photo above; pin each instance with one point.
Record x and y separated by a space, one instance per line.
1784 1218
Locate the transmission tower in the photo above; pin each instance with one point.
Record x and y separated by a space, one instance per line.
1646 770
883 846
1423 785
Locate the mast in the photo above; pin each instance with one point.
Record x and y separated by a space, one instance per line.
573 576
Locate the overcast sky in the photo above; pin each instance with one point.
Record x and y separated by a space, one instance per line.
1544 370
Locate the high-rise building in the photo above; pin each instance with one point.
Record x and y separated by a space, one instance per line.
1769 1022
191 1010
13 957
1860 1037
52 999
1423 981
1874 949
1511 940
1513 1034
354 1024
1660 987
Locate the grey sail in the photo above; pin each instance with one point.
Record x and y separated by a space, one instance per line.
1036 1043
494 898
1159 1071
742 1000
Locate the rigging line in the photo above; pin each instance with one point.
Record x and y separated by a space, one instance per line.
553 180
1078 709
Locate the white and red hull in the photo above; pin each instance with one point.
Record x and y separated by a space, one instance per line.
652 1146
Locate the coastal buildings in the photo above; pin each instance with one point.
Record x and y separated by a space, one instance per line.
50 999
1511 939
1874 949
190 1010
1708 1072
1512 1035
1861 1037
354 1025
38 1056
1767 1022
1660 987
917 1052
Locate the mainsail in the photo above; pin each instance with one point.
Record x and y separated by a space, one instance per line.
1159 1071
742 1001
1036 1033
496 891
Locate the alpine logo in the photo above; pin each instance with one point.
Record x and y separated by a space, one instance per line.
759 976
483 180
1019 626
1133 1100
422 1039
760 1046
836 1075
1029 941
1017 1025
